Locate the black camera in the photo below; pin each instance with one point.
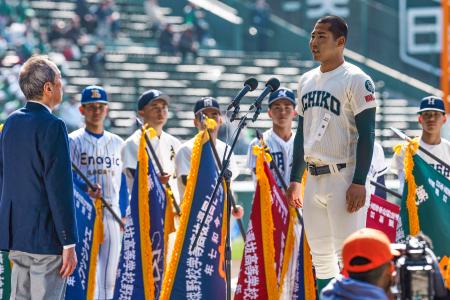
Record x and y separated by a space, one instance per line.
417 271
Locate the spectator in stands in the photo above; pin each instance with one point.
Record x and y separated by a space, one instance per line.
260 20
166 41
56 31
87 18
70 113
108 20
190 14
368 268
154 16
5 16
187 44
97 60
23 11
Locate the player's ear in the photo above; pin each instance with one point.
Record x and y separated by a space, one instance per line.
81 109
269 112
445 118
341 41
420 119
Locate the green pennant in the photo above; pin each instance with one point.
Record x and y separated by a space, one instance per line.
5 276
433 201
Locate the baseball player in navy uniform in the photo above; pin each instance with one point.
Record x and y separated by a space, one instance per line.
334 141
96 152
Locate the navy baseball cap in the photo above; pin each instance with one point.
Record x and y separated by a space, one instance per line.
282 93
150 96
94 94
204 103
432 103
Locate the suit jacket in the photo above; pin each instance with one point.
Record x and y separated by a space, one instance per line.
37 211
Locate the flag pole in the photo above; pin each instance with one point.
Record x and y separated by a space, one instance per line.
407 138
386 189
229 193
158 164
92 187
278 173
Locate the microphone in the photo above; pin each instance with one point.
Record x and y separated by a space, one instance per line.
272 85
249 85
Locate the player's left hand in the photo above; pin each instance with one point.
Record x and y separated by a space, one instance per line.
164 178
95 193
238 212
356 197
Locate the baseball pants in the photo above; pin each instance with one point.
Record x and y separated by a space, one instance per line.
326 220
108 257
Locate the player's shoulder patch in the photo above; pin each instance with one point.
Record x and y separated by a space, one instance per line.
369 86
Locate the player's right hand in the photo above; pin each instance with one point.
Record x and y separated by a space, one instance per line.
164 178
294 194
95 193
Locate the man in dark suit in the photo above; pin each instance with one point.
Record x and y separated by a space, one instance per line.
37 212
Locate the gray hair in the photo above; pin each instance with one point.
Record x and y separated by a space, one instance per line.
35 72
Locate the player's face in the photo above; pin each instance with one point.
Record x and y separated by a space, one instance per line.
155 113
432 121
94 113
324 47
211 113
282 112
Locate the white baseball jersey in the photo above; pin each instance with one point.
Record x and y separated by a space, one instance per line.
378 166
183 161
280 150
165 147
441 150
328 103
100 160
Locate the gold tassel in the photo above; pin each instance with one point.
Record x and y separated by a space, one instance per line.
310 282
267 226
413 214
144 221
224 236
169 274
96 241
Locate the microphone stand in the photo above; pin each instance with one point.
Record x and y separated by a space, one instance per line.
224 174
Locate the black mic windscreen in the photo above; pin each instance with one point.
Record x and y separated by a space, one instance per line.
252 83
273 83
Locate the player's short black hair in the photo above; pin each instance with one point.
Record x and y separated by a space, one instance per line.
338 26
371 276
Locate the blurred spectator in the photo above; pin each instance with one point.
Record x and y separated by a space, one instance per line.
154 16
187 43
195 17
166 40
190 14
108 20
5 15
87 18
73 30
97 60
70 114
260 20
23 11
56 31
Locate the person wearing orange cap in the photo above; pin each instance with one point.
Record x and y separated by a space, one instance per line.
368 268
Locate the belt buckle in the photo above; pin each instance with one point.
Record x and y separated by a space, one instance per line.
312 169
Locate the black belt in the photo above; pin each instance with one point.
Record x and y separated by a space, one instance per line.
316 171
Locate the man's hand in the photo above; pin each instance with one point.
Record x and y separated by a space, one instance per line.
164 178
124 220
294 194
95 193
69 262
356 197
238 212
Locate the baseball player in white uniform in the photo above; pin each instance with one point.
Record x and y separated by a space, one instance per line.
96 152
378 168
431 117
334 141
280 140
209 107
153 109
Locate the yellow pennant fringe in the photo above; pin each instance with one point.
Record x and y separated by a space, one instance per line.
169 274
413 214
96 241
267 226
169 222
224 235
144 221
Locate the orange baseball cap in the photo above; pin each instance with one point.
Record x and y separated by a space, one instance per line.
371 244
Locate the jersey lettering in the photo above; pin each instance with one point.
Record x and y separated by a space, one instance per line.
86 159
321 99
